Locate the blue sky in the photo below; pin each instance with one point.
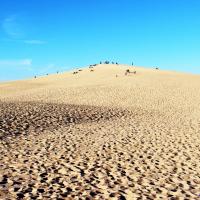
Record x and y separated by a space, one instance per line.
39 36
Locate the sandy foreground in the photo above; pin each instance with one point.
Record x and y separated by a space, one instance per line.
101 135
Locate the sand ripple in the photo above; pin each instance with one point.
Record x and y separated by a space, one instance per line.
57 151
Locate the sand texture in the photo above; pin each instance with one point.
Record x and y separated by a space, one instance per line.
101 134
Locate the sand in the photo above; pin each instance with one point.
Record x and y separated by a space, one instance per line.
101 135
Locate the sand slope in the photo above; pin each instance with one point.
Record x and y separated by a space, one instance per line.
95 135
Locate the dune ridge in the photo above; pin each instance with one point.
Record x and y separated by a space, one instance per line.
101 135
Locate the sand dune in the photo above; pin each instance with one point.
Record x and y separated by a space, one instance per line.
101 135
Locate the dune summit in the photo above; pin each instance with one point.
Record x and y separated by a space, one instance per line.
101 133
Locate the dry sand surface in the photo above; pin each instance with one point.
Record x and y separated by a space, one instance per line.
101 135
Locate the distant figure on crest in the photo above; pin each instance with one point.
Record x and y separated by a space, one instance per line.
129 72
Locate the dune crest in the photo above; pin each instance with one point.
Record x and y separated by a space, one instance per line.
101 133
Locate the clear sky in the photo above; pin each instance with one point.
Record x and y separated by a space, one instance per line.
43 36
